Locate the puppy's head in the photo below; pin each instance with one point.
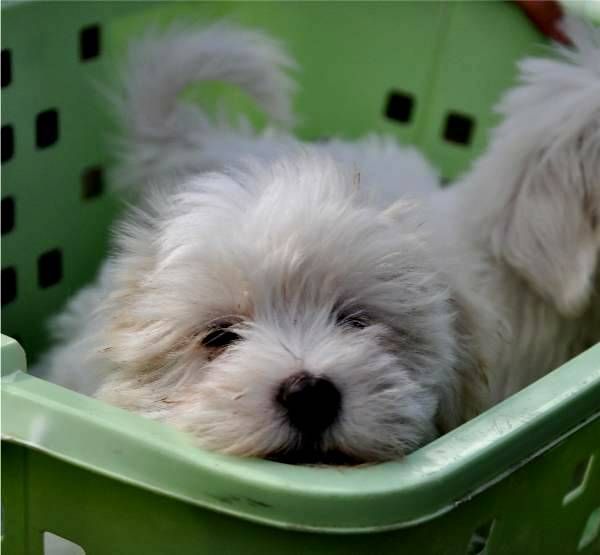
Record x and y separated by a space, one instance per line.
547 152
270 313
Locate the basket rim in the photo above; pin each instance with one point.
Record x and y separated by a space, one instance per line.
427 483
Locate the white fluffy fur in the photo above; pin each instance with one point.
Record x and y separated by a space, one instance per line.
470 293
165 140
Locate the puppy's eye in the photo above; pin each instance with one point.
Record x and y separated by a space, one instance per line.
357 319
220 337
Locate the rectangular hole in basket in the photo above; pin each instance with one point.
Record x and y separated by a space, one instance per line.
480 538
50 269
9 285
6 72
591 530
8 143
458 128
8 215
92 182
89 42
399 106
54 544
579 479
46 128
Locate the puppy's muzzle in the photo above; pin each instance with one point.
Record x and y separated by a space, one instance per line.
311 403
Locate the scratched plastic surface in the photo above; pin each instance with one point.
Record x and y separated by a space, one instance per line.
522 478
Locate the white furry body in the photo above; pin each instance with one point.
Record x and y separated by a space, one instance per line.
530 212
462 297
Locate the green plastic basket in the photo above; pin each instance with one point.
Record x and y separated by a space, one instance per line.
523 478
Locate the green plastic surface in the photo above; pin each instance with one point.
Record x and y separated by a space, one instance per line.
526 473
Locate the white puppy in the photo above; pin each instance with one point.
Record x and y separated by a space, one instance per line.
529 211
262 299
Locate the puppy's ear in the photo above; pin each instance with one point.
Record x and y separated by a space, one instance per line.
549 232
544 160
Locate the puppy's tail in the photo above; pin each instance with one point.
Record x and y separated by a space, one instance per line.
161 65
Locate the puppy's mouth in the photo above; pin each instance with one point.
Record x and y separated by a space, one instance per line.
308 456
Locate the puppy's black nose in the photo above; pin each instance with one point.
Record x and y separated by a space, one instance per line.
311 403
